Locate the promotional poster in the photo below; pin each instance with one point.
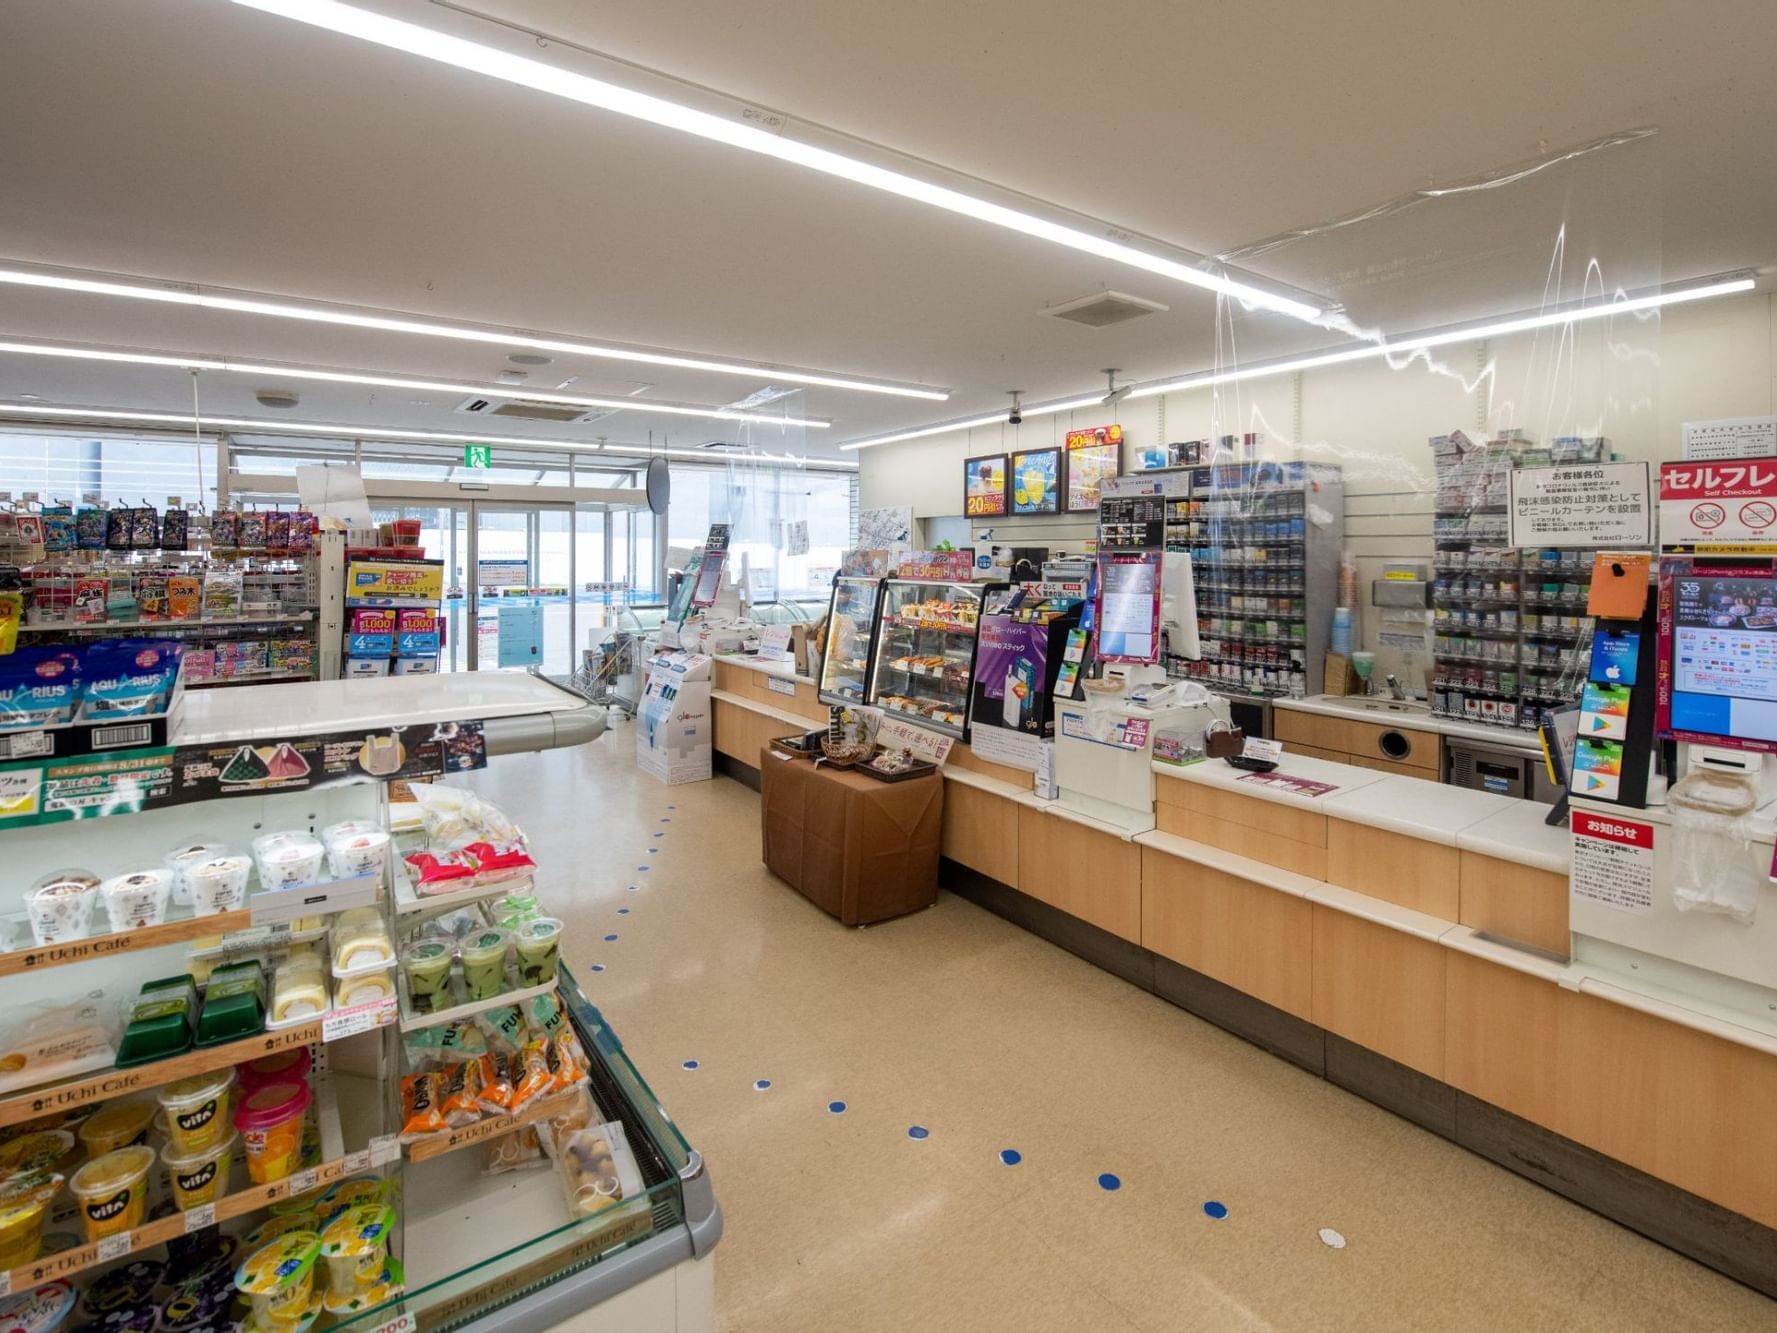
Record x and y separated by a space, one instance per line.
1011 666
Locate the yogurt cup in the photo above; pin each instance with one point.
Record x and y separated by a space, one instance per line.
197 1111
42 1150
60 906
279 1279
25 1202
183 857
274 1226
357 1192
201 1177
40 1310
112 1192
218 884
357 853
288 859
389 1284
290 1066
427 967
356 1247
122 1288
538 944
270 1122
193 1309
484 963
119 1124
138 898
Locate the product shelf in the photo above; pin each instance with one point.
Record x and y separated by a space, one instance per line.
409 901
489 1127
415 1022
263 678
220 622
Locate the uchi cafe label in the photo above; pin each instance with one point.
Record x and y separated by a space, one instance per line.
1725 506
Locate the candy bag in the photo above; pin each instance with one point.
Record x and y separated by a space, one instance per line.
495 1082
461 1084
534 1079
421 1111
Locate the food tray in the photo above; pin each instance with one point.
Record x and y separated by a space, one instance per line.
914 770
806 746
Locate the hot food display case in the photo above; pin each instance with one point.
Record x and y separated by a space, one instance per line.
924 667
285 1039
851 634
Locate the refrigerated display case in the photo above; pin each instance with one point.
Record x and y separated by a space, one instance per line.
924 667
851 635
278 991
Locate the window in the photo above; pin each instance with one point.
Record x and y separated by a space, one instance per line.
119 470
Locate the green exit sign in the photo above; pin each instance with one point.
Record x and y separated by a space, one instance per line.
478 455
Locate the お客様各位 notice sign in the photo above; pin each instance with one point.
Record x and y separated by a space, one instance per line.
1588 505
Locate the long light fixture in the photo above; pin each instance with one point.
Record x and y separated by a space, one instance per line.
337 315
1628 305
480 58
500 391
338 431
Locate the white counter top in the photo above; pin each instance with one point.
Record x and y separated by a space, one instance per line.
1489 825
782 670
1345 777
316 706
1357 708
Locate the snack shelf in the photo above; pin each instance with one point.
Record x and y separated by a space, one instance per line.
38 957
414 1022
105 1084
263 678
220 622
410 902
489 1127
933 626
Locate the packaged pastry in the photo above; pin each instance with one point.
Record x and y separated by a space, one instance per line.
299 991
234 1002
422 1106
460 1092
364 984
355 1245
288 859
579 1112
119 1124
38 1150
185 855
533 1079
112 1191
216 884
197 1110
597 1168
60 906
200 1177
497 1080
358 852
270 1122
512 1152
137 899
360 943
279 1279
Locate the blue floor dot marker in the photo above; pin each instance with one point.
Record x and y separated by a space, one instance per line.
1215 1208
1010 1157
1109 1182
918 1132
660 835
665 820
672 807
836 1108
610 939
689 1064
761 1084
623 911
598 967
635 888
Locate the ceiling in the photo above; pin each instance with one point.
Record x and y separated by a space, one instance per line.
198 141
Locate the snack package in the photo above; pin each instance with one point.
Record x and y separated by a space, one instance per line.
89 529
252 531
119 528
505 1028
597 1168
184 596
144 528
499 864
39 687
225 530
581 1112
513 1152
128 678
444 1045
58 1039
422 1111
60 533
302 531
175 530
573 1057
277 530
462 1083
545 1014
496 1081
439 874
534 1078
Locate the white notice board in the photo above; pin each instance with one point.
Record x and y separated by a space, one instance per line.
1582 504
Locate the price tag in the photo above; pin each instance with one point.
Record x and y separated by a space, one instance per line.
384 1149
172 502
86 498
777 686
115 1247
1257 747
5 497
29 497
5 1282
356 1162
401 1323
360 1018
301 1182
198 1218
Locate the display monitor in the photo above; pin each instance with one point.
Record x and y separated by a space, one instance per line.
1721 656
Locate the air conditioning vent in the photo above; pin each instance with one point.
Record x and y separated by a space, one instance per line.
525 410
1102 309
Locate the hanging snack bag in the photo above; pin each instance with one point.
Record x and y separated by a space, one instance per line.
277 531
144 528
60 531
225 530
175 530
302 531
89 528
252 531
119 527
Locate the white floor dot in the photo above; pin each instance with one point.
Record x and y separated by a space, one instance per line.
1331 1239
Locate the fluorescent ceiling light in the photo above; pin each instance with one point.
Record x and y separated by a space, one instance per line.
479 58
320 314
1627 305
997 419
339 431
500 391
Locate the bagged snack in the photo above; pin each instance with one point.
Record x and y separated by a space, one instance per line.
499 864
573 1057
496 1081
505 1028
581 1112
128 678
422 1112
432 873
545 1014
175 530
597 1168
461 1084
534 1077
512 1152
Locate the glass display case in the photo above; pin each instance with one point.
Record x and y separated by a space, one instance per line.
924 666
851 632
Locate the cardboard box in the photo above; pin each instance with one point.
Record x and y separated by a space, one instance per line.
416 666
416 632
366 666
859 849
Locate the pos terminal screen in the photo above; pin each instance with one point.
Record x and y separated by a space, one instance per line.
1724 656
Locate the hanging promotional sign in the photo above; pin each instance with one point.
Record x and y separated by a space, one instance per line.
1599 504
1727 507
1094 455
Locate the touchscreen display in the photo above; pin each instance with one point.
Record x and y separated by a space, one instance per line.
1724 656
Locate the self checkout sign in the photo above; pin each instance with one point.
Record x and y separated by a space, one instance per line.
1722 507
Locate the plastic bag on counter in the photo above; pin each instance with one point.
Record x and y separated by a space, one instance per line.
1714 866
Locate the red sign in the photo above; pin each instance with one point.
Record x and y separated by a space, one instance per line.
1719 506
1094 435
1608 828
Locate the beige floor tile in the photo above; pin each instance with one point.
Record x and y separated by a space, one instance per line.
990 1038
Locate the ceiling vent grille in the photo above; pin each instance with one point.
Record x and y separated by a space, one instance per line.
525 410
1103 309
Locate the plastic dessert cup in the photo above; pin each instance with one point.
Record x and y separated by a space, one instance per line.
427 965
290 1066
288 859
60 906
539 948
24 1207
137 899
484 963
197 1111
279 1279
198 1178
357 853
270 1122
356 1246
112 1191
120 1124
42 1150
217 884
182 858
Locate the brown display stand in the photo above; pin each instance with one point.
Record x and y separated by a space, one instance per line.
859 849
